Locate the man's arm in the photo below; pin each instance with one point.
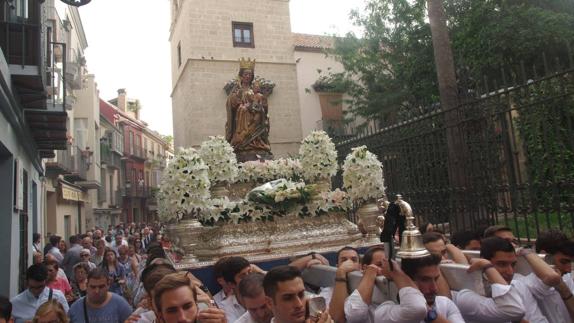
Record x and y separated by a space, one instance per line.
366 284
309 260
456 254
542 270
340 291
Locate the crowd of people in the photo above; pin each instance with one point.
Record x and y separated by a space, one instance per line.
124 276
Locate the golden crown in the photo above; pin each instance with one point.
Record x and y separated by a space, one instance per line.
247 64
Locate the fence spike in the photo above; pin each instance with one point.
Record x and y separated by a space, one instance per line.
504 84
545 61
523 72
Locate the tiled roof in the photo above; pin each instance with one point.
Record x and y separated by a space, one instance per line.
312 42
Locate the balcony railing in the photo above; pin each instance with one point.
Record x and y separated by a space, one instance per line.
62 163
134 192
20 42
137 151
108 157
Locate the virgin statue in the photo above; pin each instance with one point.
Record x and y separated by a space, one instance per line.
247 127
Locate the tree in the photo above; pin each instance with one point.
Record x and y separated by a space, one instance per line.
391 71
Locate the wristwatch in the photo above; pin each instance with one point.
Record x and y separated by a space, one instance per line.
431 315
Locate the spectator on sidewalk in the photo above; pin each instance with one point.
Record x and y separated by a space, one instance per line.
72 256
99 305
25 304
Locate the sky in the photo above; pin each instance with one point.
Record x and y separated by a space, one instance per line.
128 47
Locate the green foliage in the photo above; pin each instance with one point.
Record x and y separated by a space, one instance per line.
391 70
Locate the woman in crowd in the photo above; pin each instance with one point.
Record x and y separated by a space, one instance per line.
100 250
63 247
50 312
115 270
80 281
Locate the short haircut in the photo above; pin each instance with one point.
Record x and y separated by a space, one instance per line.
423 227
344 249
461 239
51 262
412 265
97 273
490 246
368 256
278 275
5 308
432 236
154 274
492 230
54 240
218 267
73 239
37 272
251 286
83 265
171 282
553 241
36 237
233 266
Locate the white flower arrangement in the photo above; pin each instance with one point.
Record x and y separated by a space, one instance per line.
363 175
185 185
278 198
318 156
218 154
265 171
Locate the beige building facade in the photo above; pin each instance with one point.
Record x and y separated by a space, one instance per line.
205 56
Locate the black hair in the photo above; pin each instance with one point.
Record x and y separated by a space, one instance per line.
54 240
277 275
5 308
344 249
412 266
36 237
97 273
218 268
154 252
423 227
549 241
492 230
490 246
73 239
368 257
461 239
251 286
154 273
233 266
37 272
432 236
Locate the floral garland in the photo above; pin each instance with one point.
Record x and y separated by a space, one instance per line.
318 156
218 154
363 175
269 170
185 185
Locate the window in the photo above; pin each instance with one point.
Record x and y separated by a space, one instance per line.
131 143
178 54
242 34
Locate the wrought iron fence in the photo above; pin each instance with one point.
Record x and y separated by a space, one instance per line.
516 157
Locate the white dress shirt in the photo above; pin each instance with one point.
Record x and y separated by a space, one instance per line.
569 281
327 293
219 298
446 308
412 308
245 318
504 306
549 300
532 311
25 304
233 310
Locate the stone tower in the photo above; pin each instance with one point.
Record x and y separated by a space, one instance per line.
207 39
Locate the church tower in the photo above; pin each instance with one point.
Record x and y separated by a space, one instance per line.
207 39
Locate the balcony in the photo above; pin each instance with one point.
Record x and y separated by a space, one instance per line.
80 166
137 152
108 157
61 164
129 191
